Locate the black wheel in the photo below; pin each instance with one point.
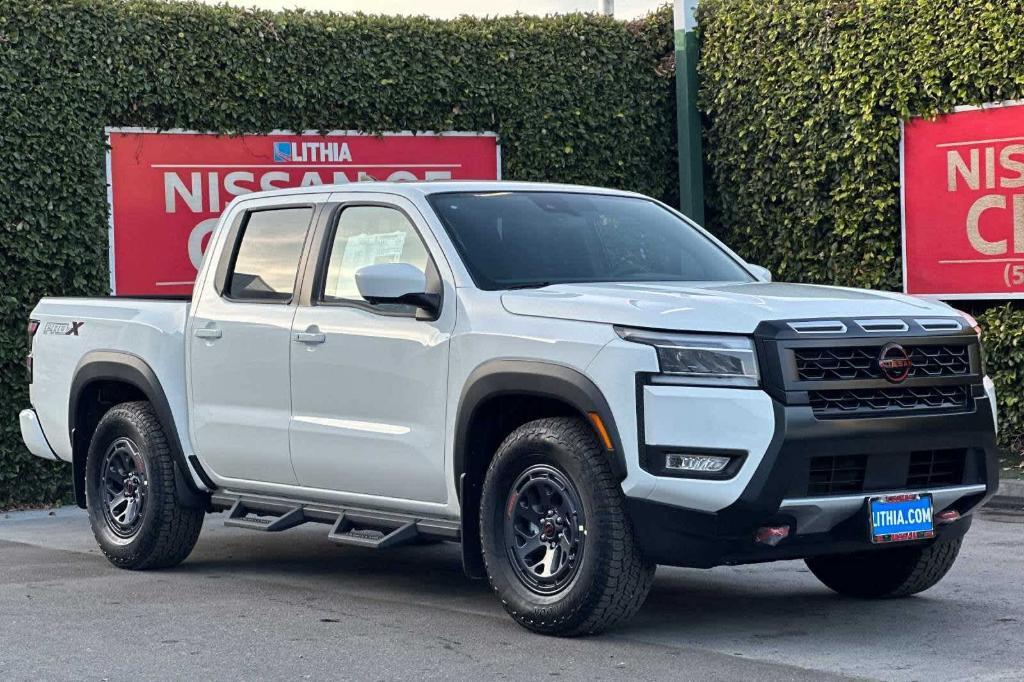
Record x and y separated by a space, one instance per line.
130 492
544 529
557 542
887 573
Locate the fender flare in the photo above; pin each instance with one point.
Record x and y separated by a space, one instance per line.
520 377
132 370
527 377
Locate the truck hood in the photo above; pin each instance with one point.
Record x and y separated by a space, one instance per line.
715 306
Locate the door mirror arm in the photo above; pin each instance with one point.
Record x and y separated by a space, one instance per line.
429 304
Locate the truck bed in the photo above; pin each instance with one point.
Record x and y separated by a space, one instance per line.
140 297
73 331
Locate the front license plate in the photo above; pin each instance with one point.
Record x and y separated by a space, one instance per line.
898 518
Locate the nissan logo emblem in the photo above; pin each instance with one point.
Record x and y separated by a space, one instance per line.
894 362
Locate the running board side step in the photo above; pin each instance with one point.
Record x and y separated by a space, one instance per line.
368 528
347 532
239 518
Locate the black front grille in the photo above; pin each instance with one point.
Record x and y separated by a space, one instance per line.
884 472
849 402
936 467
836 475
940 361
837 364
847 363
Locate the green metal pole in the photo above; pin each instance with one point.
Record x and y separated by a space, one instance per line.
691 152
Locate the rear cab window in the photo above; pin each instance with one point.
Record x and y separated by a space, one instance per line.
267 254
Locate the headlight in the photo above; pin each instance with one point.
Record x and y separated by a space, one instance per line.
701 359
971 322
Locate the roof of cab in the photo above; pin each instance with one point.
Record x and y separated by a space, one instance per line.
422 188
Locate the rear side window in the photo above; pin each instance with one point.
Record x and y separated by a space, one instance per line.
267 258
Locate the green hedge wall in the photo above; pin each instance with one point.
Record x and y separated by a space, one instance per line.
574 98
803 101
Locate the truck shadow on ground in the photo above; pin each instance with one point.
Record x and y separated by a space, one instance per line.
765 606
726 607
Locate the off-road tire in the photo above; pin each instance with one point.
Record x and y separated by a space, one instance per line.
167 530
887 573
613 578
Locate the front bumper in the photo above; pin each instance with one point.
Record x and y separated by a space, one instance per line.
776 493
32 434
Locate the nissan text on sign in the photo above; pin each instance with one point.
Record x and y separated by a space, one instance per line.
963 203
167 188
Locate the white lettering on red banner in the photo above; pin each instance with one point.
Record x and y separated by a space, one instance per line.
963 204
168 188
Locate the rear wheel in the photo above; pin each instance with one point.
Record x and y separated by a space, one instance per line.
131 493
557 543
896 572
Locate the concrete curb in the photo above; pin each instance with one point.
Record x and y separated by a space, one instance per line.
1010 495
31 514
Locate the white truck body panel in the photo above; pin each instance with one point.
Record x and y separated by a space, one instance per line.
381 439
32 434
484 334
711 307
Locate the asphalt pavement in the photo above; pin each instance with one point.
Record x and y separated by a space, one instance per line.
249 606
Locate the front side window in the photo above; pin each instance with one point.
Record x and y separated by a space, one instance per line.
367 235
267 259
524 239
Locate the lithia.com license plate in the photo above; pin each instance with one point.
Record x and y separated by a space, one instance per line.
898 518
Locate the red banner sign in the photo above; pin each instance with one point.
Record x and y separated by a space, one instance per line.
963 204
166 189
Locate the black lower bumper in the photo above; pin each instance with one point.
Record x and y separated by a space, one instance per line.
684 537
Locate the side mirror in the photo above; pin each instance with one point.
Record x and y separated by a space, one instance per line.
399 283
763 274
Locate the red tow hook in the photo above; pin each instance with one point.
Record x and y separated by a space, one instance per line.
946 517
771 535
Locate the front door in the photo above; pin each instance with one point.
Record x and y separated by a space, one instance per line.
369 382
240 340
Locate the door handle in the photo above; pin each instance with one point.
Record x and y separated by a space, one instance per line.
207 333
310 337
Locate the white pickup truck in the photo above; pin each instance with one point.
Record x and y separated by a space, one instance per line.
575 383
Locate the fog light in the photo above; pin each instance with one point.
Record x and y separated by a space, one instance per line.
711 464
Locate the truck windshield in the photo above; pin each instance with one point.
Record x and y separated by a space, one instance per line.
532 239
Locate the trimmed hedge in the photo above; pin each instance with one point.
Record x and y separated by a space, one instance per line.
1003 329
803 101
574 98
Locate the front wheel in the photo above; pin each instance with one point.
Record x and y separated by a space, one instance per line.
895 572
130 492
557 542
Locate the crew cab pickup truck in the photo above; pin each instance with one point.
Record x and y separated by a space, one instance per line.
576 384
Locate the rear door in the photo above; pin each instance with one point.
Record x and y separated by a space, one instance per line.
369 382
240 343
